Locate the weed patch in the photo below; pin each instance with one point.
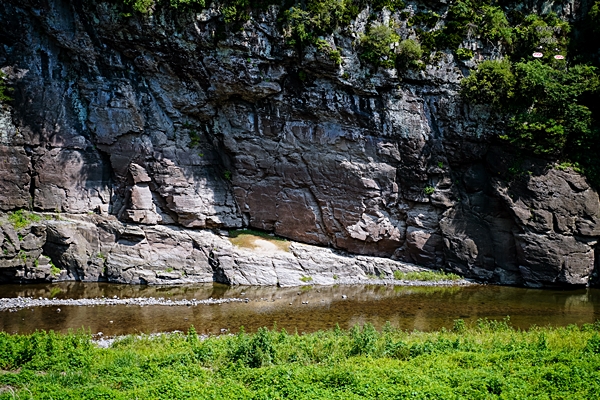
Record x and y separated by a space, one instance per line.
426 276
488 359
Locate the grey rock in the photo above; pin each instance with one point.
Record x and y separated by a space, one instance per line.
185 131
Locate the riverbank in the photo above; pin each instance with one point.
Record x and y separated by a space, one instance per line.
13 304
488 359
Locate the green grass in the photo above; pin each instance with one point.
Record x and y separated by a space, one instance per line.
306 279
427 276
21 218
487 360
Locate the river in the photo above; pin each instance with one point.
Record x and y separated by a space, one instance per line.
302 309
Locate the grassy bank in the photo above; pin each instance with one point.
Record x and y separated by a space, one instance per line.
489 360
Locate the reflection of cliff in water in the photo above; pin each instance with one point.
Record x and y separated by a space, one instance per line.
303 309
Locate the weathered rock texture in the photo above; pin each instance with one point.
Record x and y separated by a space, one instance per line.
171 126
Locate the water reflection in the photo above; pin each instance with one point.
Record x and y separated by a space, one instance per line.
302 309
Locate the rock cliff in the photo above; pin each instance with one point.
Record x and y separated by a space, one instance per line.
170 128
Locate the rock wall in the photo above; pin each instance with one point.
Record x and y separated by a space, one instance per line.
167 123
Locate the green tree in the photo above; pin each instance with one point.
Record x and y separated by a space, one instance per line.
492 83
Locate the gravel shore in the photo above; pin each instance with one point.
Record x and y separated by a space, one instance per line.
15 303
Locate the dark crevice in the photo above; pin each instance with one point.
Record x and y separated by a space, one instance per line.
594 280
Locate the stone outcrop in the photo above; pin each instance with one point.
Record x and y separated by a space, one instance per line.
167 130
95 248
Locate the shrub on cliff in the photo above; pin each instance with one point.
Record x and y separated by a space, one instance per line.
492 83
545 102
409 54
377 45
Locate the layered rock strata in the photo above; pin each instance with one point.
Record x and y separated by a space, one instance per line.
167 127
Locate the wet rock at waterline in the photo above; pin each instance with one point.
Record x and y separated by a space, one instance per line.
164 130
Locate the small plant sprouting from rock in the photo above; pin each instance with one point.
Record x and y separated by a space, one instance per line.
194 138
3 89
227 175
21 219
428 190
464 54
54 270
426 276
306 279
168 270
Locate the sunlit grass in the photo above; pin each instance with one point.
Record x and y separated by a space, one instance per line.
426 276
488 359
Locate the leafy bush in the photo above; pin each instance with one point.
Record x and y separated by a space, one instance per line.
492 83
547 115
377 45
409 53
304 25
148 6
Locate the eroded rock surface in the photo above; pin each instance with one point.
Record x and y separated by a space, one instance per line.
164 129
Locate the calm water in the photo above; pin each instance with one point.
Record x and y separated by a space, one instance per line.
422 308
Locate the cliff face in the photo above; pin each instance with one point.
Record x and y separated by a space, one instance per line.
169 120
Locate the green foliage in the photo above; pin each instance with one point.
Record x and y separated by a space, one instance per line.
227 175
306 22
549 112
547 31
464 54
428 190
377 45
492 83
409 54
149 6
306 279
236 11
334 55
3 88
392 5
194 138
54 270
487 360
21 218
548 117
426 276
142 6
